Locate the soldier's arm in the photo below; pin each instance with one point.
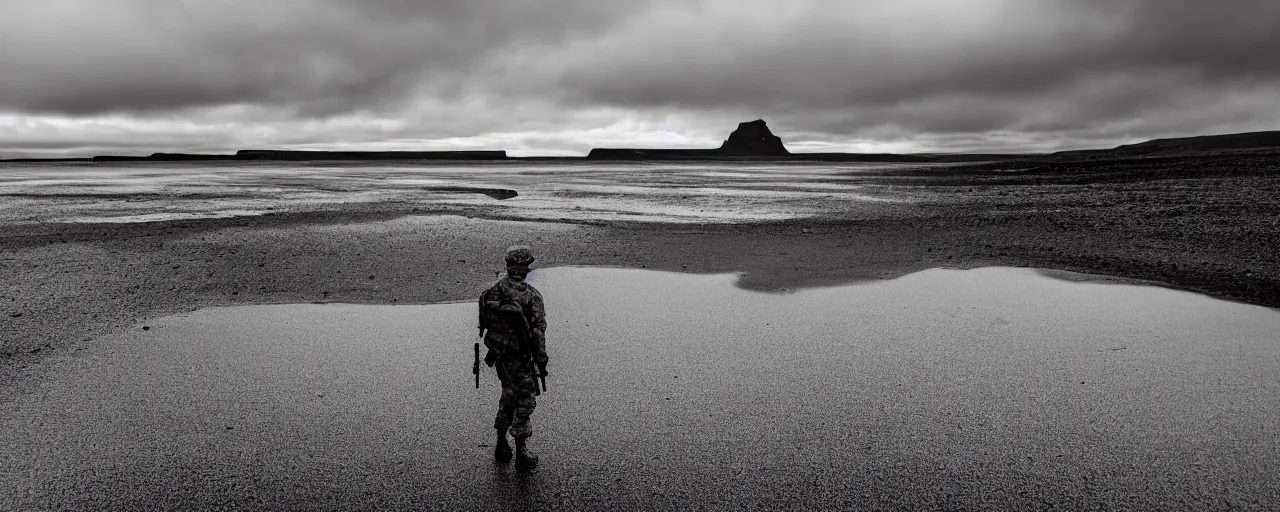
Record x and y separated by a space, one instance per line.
538 322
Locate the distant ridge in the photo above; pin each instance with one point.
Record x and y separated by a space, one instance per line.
651 154
270 154
752 141
1186 145
286 155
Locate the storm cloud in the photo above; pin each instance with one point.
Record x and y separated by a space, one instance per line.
565 75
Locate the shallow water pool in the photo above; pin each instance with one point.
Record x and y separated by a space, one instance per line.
945 388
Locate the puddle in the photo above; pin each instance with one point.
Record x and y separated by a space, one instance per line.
670 389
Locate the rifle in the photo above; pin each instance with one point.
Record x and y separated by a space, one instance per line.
542 377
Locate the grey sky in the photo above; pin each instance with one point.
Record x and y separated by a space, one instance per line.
565 75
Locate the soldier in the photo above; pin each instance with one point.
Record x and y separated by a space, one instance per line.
513 324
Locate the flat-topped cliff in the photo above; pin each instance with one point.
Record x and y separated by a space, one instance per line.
750 139
753 138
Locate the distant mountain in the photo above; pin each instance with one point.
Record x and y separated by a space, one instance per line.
1186 145
753 138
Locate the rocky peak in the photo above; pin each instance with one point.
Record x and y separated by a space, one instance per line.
753 138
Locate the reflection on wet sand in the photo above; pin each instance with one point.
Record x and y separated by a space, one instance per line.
992 387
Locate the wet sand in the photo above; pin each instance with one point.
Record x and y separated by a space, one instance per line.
983 389
1204 224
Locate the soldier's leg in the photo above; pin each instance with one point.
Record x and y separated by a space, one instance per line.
502 449
523 387
506 402
522 384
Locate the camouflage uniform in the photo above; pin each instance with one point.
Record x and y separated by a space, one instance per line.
508 297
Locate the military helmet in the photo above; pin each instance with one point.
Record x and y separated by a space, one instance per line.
519 256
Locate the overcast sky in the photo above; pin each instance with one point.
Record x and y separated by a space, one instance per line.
562 76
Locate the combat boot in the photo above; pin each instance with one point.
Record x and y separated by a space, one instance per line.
502 450
524 459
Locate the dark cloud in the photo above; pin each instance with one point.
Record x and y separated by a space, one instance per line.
322 57
1020 54
935 71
